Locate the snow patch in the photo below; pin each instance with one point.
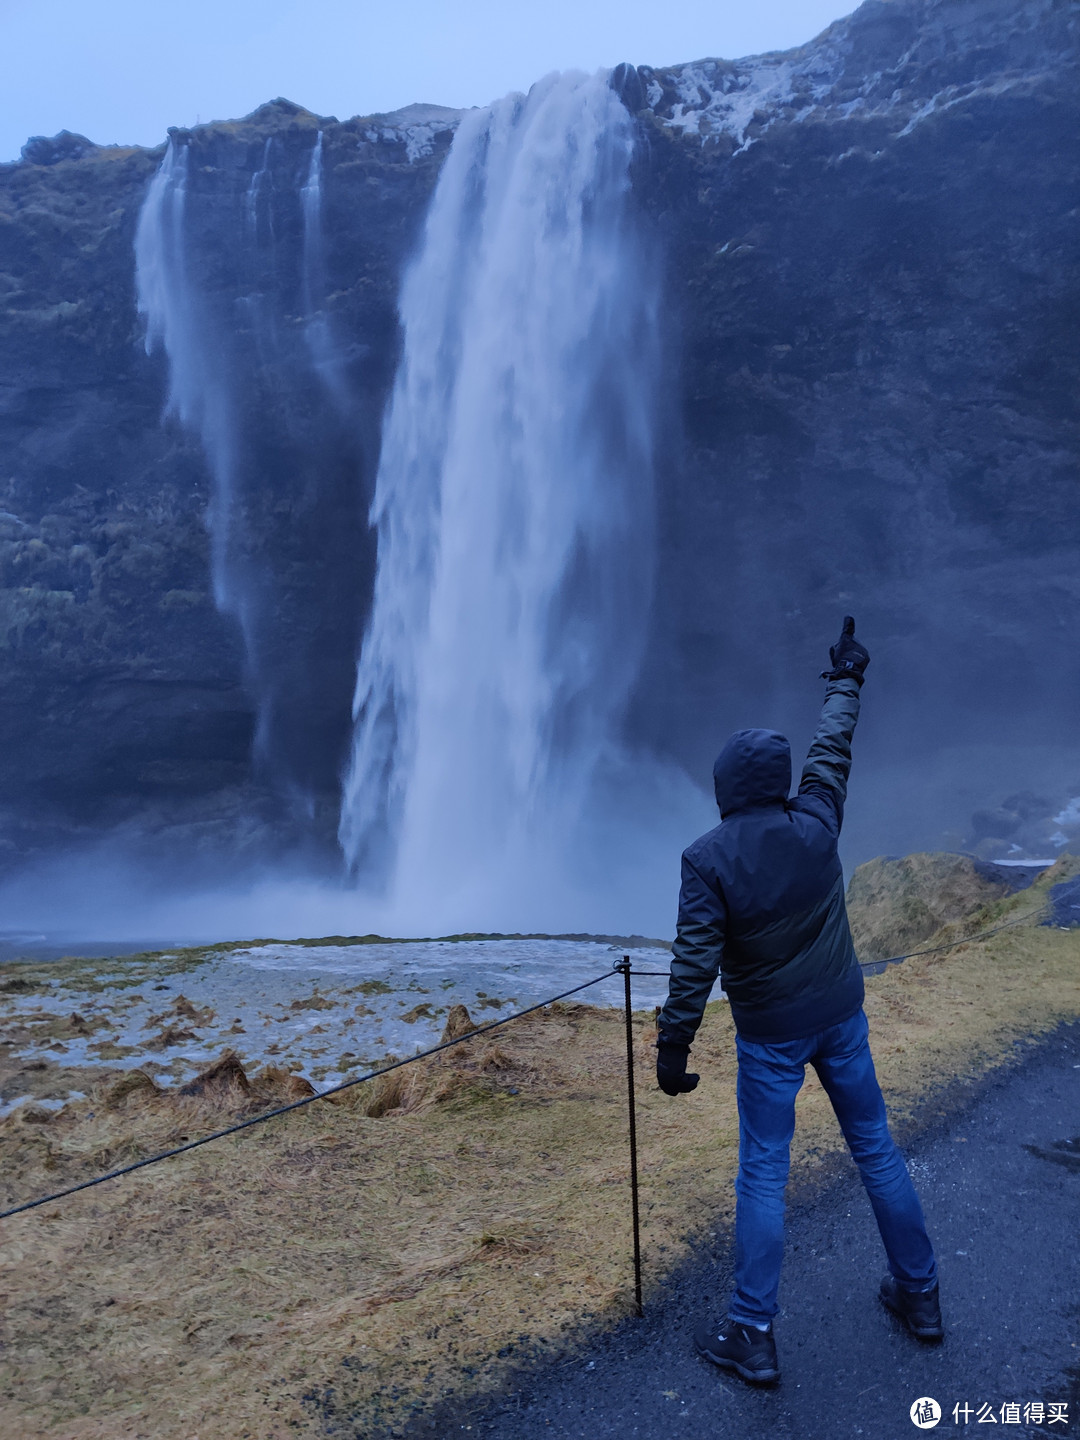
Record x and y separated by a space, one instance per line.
744 98
720 99
327 1012
39 1102
417 126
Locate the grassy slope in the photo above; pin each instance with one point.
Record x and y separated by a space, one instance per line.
331 1264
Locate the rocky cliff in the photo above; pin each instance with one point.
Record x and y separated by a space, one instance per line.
128 694
872 403
874 264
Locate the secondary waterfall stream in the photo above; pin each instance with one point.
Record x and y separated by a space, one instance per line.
199 395
231 270
514 514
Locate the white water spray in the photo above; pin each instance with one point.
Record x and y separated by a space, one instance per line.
514 514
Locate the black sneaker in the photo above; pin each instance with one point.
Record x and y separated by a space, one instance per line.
919 1310
748 1351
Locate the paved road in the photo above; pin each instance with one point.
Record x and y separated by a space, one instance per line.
1002 1197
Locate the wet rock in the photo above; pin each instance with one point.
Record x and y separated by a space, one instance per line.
629 86
1012 877
1064 903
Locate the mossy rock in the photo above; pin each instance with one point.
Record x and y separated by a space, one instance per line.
894 905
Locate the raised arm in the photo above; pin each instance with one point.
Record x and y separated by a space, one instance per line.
828 762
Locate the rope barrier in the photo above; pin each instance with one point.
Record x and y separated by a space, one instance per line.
875 967
299 1104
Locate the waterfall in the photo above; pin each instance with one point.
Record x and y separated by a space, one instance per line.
311 209
227 264
325 356
198 393
513 507
260 182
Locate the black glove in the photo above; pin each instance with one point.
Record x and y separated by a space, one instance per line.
849 658
671 1073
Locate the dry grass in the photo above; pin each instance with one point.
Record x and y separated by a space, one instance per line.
339 1263
897 904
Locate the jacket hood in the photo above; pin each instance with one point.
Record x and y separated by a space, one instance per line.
753 768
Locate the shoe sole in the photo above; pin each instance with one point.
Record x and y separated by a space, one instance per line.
929 1334
753 1377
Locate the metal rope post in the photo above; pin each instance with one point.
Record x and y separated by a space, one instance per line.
625 968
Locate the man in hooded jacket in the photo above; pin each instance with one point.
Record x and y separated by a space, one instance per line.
762 905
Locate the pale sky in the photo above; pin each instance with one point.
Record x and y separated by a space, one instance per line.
122 71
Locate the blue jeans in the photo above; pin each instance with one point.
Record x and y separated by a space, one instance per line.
770 1076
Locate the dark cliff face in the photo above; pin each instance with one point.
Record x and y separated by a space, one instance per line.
128 699
119 679
872 296
876 306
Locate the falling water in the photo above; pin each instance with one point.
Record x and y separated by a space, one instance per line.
513 506
198 393
221 287
325 356
311 207
260 182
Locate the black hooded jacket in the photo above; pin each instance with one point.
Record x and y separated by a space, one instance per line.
762 898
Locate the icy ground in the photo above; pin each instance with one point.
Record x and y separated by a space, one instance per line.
323 1011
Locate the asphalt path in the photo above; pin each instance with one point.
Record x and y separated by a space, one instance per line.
999 1177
